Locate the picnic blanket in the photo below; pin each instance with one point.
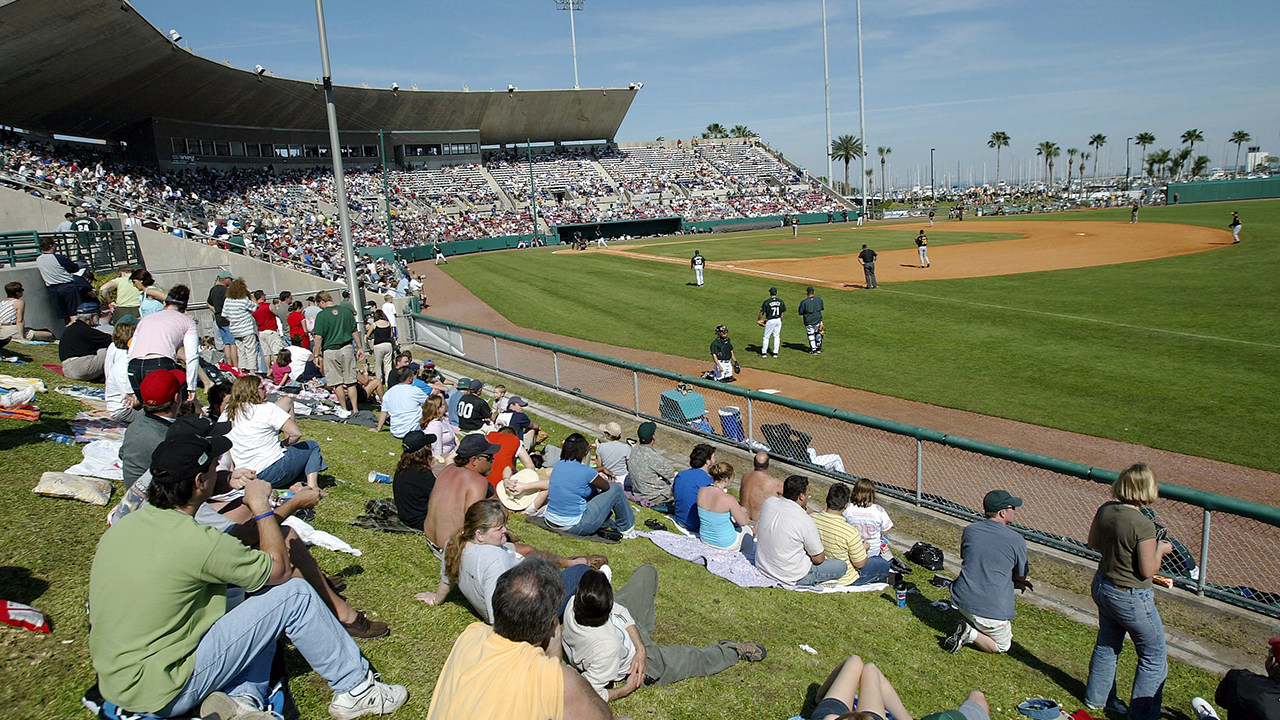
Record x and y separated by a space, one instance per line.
87 428
52 367
10 382
734 566
381 514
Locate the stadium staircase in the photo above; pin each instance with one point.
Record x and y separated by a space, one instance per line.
607 177
503 198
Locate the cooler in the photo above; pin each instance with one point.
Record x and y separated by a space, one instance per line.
678 407
731 423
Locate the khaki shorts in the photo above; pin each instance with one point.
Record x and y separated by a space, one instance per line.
340 366
1001 631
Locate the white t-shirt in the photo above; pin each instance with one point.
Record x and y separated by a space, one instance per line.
872 522
389 309
478 574
786 538
602 654
116 371
403 403
255 436
298 357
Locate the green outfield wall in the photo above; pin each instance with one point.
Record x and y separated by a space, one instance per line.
1221 190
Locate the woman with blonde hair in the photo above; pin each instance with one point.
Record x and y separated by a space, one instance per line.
1132 552
481 550
434 422
238 310
723 523
256 426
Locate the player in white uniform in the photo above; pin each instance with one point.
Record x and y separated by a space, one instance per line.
439 255
771 313
697 263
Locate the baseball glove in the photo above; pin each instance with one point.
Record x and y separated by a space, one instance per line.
760 322
822 328
736 367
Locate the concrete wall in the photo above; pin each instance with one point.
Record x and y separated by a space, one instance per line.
39 313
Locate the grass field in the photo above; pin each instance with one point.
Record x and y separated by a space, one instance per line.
46 548
1178 353
835 240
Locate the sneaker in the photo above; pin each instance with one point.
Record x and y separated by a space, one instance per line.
900 567
1118 709
1204 711
369 698
221 706
957 639
342 414
775 355
761 355
749 651
366 629
630 534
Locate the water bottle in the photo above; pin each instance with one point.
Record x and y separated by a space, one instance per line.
59 438
377 477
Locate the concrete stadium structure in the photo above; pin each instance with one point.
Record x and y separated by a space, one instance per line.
98 69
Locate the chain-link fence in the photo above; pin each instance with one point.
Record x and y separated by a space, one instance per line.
1224 547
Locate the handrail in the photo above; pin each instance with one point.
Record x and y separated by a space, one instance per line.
1190 496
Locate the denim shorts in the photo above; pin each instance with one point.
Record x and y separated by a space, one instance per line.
225 332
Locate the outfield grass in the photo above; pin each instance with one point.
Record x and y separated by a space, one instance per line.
46 548
1178 353
835 240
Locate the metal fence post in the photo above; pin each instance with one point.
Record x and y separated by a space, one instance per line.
635 377
1204 556
751 425
495 353
919 469
555 362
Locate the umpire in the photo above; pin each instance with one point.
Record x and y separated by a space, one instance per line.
868 259
811 313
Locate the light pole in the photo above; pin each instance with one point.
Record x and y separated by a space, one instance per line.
572 5
862 112
339 183
386 186
1126 162
826 87
933 189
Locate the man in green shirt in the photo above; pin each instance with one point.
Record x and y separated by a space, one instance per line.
160 635
811 313
335 331
722 355
771 314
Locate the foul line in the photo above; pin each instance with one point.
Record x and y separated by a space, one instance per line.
1086 319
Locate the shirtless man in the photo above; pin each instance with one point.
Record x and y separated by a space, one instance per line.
457 488
758 486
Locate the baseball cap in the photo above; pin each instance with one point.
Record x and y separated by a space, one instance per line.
476 385
516 400
1275 646
224 274
612 429
721 328
475 444
193 444
646 431
463 383
416 440
160 387
946 715
998 500
810 288
428 363
128 320
773 291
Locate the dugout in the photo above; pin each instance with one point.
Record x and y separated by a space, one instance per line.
618 228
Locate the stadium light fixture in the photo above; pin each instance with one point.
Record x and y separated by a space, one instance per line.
826 88
572 5
512 88
175 36
395 87
259 69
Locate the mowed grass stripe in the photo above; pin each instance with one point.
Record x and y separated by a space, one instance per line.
1176 392
840 239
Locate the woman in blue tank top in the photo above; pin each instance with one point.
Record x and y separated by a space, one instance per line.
724 524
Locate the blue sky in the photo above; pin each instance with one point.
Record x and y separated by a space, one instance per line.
939 73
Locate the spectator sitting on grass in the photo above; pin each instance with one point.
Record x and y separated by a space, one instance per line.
1246 694
687 483
854 684
460 389
413 481
504 462
402 403
161 338
473 411
758 486
482 550
607 637
457 488
301 369
435 423
843 541
121 402
256 426
163 392
612 453
517 420
648 472
83 347
788 547
993 563
870 519
571 505
13 316
281 365
512 670
723 522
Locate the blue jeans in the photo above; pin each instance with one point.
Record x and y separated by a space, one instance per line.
876 570
830 569
1121 611
610 502
299 461
235 655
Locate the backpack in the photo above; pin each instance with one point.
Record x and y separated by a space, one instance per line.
927 556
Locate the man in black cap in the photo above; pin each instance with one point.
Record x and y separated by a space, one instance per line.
458 487
413 482
161 638
993 564
868 259
770 318
473 411
722 356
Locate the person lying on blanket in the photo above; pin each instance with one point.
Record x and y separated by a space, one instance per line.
482 549
607 637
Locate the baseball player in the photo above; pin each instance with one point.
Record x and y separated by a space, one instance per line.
930 217
697 263
600 242
723 356
811 313
771 314
439 255
1235 227
922 246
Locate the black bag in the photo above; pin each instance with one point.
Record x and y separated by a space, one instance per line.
926 556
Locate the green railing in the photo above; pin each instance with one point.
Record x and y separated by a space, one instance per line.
99 250
948 473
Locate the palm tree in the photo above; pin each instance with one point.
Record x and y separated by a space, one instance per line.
883 152
1239 137
1071 158
1052 152
740 131
1157 161
1177 162
846 148
715 130
1044 150
997 141
1096 142
1144 139
1192 137
1084 156
1200 165
871 182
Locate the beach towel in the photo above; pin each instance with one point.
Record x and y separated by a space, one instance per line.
29 413
53 367
734 566
10 382
381 515
87 429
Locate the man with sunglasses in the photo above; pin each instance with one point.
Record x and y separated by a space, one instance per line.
457 488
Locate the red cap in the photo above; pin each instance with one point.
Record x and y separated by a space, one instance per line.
1275 646
160 387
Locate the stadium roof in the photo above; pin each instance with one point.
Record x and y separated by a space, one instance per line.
98 69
